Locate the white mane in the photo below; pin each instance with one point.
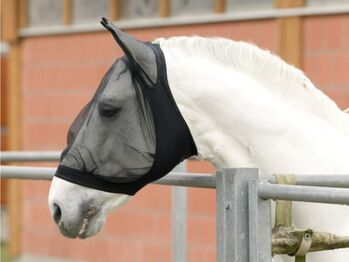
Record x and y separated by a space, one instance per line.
285 80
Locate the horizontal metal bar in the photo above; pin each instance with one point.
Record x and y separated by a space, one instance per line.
189 20
320 180
341 181
188 180
173 179
30 156
323 181
304 193
22 172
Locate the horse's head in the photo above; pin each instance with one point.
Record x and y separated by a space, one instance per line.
113 143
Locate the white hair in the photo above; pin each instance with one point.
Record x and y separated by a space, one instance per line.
286 80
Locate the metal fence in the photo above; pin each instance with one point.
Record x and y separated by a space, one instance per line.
243 201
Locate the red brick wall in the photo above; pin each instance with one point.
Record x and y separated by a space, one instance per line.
326 55
60 73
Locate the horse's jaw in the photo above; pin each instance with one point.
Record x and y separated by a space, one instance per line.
78 211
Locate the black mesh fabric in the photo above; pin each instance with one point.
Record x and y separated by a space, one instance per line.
82 116
165 129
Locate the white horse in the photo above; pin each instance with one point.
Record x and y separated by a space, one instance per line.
245 107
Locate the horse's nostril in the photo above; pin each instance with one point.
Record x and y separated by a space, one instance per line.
57 213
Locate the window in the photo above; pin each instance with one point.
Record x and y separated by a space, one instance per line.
237 5
326 2
44 13
89 11
133 9
53 12
188 7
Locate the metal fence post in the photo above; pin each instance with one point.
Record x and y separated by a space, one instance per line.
232 214
179 219
260 246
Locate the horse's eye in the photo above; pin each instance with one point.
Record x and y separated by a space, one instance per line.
107 110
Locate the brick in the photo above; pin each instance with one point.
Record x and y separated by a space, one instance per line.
59 79
200 167
202 254
69 48
100 249
148 198
196 255
94 249
339 95
211 255
331 32
44 136
320 68
156 252
341 70
53 108
345 32
142 224
248 31
325 32
37 215
201 230
312 33
310 67
37 190
202 201
245 31
33 240
266 30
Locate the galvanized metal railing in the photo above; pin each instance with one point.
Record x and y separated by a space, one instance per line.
30 156
176 178
243 208
47 173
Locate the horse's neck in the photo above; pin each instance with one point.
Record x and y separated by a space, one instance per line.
211 111
237 121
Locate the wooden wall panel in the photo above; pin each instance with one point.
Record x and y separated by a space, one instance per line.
3 124
23 13
13 112
67 12
114 10
219 6
289 3
290 42
164 8
14 143
9 21
12 17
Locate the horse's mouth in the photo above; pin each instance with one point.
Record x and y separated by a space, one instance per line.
87 228
83 228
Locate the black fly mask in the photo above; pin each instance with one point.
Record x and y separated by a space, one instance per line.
131 132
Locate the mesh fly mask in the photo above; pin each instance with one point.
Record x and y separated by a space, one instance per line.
173 140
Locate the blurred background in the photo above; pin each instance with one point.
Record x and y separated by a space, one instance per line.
53 56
